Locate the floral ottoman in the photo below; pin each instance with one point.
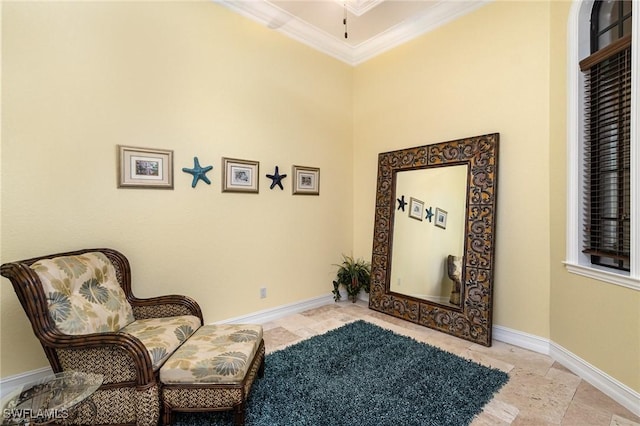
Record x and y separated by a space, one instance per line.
213 370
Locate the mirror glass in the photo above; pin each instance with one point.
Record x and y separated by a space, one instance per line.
433 239
428 227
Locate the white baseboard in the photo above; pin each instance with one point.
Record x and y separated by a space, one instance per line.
11 383
606 384
611 387
619 392
521 339
267 315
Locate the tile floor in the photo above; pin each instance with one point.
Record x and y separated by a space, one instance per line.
539 392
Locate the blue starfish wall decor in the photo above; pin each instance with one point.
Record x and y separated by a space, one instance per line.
276 179
429 214
401 203
198 172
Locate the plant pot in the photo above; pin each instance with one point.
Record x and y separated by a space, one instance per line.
344 296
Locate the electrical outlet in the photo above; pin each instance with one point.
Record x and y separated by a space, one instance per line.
263 292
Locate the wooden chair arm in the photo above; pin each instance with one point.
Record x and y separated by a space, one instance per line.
165 306
95 353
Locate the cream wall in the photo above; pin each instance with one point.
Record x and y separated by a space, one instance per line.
81 77
485 72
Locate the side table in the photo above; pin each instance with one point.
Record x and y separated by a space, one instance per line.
50 399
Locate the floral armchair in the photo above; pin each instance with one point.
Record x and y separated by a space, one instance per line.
84 314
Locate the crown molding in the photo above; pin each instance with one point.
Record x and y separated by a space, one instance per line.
440 14
359 7
279 20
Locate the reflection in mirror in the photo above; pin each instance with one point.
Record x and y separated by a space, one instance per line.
426 253
440 273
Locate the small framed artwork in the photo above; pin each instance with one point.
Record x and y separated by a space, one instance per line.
145 168
306 180
441 218
240 175
416 208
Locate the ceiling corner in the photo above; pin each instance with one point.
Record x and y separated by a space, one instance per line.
437 14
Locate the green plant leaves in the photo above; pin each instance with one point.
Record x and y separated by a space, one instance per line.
354 275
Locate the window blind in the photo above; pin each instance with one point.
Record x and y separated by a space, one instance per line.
607 155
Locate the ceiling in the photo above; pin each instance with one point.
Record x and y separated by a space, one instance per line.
373 26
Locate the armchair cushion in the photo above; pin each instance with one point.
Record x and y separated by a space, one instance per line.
162 336
83 294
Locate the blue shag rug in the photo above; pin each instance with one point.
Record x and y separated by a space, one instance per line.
363 375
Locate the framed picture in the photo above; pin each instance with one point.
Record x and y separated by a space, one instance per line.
416 208
306 180
145 168
441 218
240 175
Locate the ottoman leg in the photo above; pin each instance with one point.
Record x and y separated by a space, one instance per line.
167 416
238 414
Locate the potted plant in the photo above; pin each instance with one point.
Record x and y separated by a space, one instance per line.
354 275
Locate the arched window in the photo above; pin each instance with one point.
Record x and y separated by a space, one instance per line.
603 210
610 21
607 146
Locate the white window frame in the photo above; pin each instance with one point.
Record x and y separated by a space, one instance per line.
579 48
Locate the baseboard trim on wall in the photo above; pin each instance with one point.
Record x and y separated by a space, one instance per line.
617 391
267 315
11 383
611 387
521 339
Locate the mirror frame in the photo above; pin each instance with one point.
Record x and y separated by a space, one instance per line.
473 319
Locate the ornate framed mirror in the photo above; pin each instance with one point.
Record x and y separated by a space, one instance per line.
434 231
